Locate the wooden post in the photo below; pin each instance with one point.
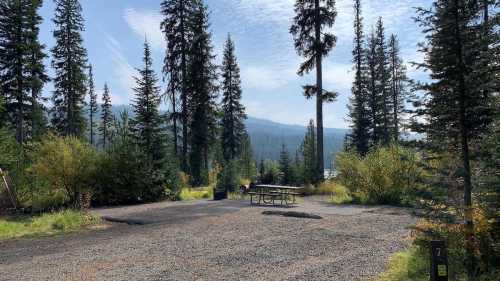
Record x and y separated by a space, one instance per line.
439 261
11 196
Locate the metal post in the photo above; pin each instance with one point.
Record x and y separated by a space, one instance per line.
439 261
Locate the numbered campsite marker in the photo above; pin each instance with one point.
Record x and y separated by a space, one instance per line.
439 261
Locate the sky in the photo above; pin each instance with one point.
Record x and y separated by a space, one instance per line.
116 30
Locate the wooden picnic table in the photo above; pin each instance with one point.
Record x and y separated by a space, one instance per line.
269 194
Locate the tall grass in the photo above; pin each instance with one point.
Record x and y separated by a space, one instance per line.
409 265
46 224
188 194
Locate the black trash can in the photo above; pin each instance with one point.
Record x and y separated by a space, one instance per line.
220 194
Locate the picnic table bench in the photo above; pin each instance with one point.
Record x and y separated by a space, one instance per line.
270 194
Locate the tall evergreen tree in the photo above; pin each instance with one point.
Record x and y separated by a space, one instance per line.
36 69
147 123
106 117
177 31
69 60
359 138
313 42
92 105
374 101
247 163
202 75
457 105
383 83
233 128
397 86
309 155
285 166
22 73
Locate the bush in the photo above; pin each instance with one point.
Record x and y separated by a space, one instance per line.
188 194
387 175
126 177
66 164
409 265
228 178
271 172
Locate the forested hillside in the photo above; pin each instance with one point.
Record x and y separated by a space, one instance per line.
268 136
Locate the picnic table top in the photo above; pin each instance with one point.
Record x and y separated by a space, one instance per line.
278 186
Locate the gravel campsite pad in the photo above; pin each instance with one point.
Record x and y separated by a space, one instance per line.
207 240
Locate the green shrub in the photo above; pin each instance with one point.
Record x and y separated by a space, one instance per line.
228 178
66 164
46 224
409 265
188 194
387 175
126 175
340 195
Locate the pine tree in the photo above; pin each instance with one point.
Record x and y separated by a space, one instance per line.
373 94
397 86
36 69
106 117
69 60
457 105
177 31
285 166
233 128
247 163
262 170
22 73
202 75
383 85
92 105
359 138
309 155
147 123
312 42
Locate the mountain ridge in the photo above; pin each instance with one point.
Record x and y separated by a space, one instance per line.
268 136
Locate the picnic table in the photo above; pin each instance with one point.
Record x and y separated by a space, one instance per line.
270 194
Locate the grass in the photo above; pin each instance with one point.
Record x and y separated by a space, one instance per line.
408 265
338 193
188 194
46 224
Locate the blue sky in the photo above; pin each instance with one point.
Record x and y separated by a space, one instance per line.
115 32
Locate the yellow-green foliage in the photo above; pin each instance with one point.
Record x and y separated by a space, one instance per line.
47 224
409 265
385 176
187 194
237 195
340 194
66 164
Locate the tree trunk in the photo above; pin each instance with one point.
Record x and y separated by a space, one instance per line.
464 142
319 96
184 94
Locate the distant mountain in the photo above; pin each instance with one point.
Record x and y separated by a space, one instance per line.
268 136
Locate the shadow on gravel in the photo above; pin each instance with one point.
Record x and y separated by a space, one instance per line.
292 214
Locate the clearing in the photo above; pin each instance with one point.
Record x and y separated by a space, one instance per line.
208 240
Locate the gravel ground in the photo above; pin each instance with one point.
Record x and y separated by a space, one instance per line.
206 240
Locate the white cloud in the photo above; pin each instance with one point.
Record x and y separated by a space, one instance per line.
146 24
277 11
338 77
123 72
265 77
